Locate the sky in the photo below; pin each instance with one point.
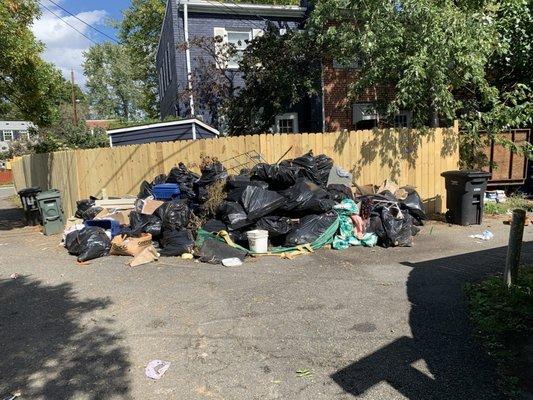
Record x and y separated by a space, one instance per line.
65 46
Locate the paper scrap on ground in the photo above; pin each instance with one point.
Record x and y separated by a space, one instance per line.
486 235
146 256
156 369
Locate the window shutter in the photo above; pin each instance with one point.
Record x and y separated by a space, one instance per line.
220 47
257 33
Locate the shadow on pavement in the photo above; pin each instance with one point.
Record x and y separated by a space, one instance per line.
11 218
50 349
441 336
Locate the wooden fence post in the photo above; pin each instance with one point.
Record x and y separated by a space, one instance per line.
514 247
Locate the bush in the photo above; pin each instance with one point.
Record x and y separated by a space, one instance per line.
517 200
503 319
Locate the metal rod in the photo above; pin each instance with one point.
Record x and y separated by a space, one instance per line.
284 154
188 55
514 248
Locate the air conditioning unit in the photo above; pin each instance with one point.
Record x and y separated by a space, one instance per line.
364 112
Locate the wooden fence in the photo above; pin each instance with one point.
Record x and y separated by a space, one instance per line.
406 156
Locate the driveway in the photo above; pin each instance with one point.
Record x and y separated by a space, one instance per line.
366 323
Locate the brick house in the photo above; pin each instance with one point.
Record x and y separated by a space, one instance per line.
341 113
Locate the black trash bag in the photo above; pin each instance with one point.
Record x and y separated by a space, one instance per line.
276 226
91 213
211 173
143 223
323 165
214 226
174 214
89 243
278 177
339 192
391 230
82 206
184 178
145 190
214 251
161 178
306 197
237 181
413 204
233 215
260 202
175 243
235 193
310 228
308 167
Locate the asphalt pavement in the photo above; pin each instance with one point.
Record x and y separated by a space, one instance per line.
367 323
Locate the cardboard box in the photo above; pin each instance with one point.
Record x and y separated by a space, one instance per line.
122 245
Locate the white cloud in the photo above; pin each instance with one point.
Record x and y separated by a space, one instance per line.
65 46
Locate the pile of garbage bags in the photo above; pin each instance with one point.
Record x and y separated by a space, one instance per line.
296 201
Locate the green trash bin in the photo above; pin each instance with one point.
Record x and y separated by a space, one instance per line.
51 211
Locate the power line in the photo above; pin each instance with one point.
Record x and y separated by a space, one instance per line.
83 22
63 20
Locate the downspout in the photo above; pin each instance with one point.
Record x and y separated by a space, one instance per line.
188 58
323 98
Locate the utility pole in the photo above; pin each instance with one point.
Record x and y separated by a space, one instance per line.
74 106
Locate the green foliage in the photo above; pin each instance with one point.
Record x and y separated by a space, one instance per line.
139 32
447 59
117 124
29 87
503 319
70 136
272 84
427 50
111 81
517 200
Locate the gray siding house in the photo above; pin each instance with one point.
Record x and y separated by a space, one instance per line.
234 23
187 129
13 130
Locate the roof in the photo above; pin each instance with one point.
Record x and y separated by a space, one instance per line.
98 123
16 125
162 124
219 7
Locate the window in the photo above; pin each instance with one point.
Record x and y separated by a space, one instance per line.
355 64
8 136
169 77
237 37
161 88
287 123
403 119
240 40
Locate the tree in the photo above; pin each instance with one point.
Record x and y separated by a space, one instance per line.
29 87
279 70
268 86
112 88
428 51
139 32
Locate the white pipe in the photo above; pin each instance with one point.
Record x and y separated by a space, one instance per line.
194 130
188 56
323 98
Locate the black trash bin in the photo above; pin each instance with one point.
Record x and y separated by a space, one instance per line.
30 206
465 191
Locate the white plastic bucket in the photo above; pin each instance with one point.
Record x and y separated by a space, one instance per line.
258 241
